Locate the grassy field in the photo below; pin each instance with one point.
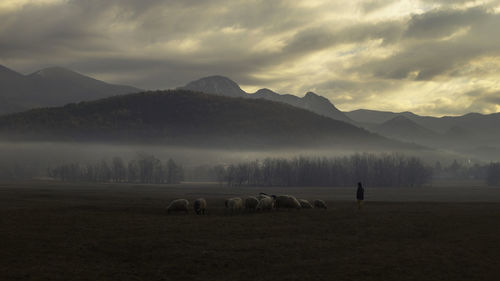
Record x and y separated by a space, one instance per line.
58 231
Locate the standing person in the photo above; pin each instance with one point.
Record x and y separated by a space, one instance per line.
360 195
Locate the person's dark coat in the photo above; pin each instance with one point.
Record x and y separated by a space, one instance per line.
360 193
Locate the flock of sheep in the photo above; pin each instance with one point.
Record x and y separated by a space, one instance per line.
262 202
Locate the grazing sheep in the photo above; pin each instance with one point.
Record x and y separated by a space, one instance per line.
251 203
178 205
200 206
234 204
266 203
320 204
305 204
286 201
262 196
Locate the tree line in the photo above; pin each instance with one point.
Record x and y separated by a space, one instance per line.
372 169
143 169
493 174
490 173
390 170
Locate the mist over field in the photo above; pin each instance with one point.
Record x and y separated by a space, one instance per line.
35 157
60 152
26 160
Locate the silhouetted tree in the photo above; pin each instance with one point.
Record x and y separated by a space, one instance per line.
119 170
493 174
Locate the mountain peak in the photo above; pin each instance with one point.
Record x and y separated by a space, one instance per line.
323 106
218 85
403 128
265 92
55 72
218 78
473 115
400 119
376 117
4 71
311 94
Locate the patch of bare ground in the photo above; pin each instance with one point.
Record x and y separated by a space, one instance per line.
54 231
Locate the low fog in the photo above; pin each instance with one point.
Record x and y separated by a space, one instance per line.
25 160
54 153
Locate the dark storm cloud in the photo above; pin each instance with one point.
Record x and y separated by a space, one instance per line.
432 57
442 23
102 36
154 73
152 20
374 5
318 38
482 99
493 98
424 60
447 2
43 29
478 100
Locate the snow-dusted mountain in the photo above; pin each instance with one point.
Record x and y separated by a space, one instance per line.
224 86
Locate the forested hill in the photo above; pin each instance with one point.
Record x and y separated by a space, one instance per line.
186 118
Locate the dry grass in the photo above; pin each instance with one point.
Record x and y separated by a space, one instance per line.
83 232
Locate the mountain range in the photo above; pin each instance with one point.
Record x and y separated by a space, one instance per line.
220 85
485 125
472 134
183 117
401 127
52 86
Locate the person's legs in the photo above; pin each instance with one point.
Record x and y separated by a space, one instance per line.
360 204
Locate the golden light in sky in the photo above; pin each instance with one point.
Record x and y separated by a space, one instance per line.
429 57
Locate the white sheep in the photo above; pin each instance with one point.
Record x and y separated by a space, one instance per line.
305 204
286 201
200 206
251 203
262 195
234 204
178 205
320 204
266 203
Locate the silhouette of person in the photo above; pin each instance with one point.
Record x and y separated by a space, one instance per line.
360 195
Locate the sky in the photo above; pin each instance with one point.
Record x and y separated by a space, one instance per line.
429 57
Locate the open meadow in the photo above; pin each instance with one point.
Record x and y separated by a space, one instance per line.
77 231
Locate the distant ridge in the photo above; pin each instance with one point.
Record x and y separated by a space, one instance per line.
182 117
375 116
472 134
487 124
220 85
402 128
51 86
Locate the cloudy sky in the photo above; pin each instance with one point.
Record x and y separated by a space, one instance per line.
429 57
